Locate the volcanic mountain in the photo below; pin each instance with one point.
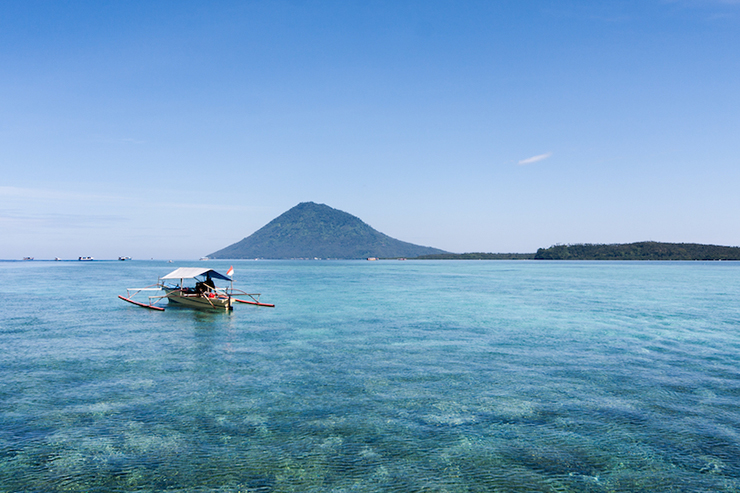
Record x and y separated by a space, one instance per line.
311 230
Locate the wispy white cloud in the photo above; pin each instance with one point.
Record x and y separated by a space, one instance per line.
38 196
535 159
40 193
30 220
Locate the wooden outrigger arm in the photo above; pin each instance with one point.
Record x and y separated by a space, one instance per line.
255 301
143 305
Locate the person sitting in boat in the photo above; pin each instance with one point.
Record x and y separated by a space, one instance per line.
205 286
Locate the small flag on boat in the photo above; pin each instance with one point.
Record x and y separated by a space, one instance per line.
230 272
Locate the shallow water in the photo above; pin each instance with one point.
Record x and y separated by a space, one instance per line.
374 376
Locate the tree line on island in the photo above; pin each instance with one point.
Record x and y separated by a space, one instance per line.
644 250
477 256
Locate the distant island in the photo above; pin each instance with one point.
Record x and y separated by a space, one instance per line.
477 256
311 230
645 250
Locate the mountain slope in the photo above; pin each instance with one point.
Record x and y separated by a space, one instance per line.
311 230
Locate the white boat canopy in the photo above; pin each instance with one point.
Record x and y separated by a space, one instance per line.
193 272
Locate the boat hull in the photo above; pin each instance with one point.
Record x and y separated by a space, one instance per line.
194 300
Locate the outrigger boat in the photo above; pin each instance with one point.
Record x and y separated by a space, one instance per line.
205 293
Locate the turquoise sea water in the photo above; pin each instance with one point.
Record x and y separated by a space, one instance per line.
374 376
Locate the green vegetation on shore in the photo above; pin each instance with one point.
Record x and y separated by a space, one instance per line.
645 250
477 256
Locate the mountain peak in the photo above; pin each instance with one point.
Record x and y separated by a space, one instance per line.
311 230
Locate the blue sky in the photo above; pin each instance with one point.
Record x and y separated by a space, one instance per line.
173 129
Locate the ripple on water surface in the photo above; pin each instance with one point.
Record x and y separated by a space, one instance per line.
382 376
